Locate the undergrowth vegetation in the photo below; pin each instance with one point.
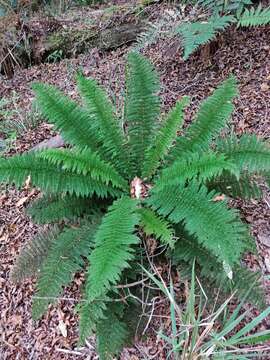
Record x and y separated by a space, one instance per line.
219 15
114 189
204 329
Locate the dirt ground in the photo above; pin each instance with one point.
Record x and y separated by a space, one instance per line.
244 53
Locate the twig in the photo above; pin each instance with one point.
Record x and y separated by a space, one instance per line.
132 284
150 317
71 352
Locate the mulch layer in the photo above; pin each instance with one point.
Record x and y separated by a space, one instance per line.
244 53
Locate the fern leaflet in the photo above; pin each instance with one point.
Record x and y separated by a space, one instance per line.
90 314
33 255
53 208
112 335
211 118
215 226
187 249
113 247
201 167
199 33
63 260
248 152
244 187
50 177
61 111
142 107
104 123
153 224
84 162
254 17
164 138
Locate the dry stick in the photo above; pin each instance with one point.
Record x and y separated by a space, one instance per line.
10 50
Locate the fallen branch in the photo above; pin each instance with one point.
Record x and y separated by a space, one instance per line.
54 142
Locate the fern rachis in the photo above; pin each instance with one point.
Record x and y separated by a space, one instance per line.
110 190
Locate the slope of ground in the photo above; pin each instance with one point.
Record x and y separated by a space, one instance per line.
244 53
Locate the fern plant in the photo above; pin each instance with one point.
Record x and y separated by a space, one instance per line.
200 33
225 13
195 34
110 188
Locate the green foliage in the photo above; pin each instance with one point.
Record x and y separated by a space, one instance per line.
104 124
162 142
212 272
54 208
85 162
195 34
254 17
200 33
112 335
142 107
33 255
195 166
49 177
64 258
153 224
214 332
89 187
244 186
248 153
225 6
215 226
212 117
113 247
61 111
90 315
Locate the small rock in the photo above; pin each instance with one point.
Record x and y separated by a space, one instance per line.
264 87
264 239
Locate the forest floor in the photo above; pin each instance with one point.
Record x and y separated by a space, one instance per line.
244 53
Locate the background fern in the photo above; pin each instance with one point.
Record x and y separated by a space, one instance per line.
200 33
254 17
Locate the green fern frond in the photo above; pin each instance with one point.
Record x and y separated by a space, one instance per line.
50 177
254 17
104 123
244 187
33 255
113 247
142 107
153 224
72 121
198 166
112 335
84 162
215 226
53 208
210 120
248 152
63 260
90 314
225 6
200 33
163 140
187 249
